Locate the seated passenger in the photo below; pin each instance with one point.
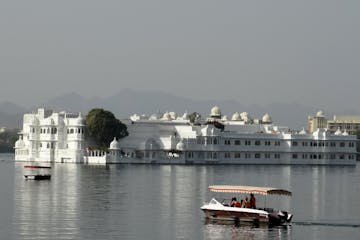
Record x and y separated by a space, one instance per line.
233 201
252 201
247 203
237 204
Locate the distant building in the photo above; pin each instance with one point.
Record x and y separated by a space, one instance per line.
317 121
348 124
170 138
48 136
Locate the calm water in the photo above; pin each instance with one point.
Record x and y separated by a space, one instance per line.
163 202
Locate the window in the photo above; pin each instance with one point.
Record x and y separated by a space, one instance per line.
215 141
277 143
277 155
227 142
71 131
294 156
267 143
257 142
257 155
342 144
237 155
237 142
247 142
267 155
227 155
294 143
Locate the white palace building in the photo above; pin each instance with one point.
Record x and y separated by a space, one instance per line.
171 139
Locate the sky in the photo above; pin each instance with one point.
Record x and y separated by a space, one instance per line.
254 52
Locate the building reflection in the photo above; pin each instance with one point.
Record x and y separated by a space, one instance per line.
47 209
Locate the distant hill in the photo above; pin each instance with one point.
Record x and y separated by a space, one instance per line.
128 101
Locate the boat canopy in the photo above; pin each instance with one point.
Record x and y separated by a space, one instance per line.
249 189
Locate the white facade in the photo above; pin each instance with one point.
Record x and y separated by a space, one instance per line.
169 139
51 137
241 140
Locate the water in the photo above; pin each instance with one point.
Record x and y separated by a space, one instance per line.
163 202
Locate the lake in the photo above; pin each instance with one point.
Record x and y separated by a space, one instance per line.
163 201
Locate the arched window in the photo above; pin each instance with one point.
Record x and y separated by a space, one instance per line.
71 131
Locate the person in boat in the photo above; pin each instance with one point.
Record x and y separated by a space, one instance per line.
235 202
252 201
242 203
247 202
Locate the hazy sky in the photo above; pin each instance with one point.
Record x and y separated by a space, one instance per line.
251 51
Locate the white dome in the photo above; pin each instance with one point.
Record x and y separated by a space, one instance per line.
302 131
320 114
245 116
215 112
345 133
185 116
180 146
173 115
114 145
155 116
19 143
266 118
236 117
338 132
166 116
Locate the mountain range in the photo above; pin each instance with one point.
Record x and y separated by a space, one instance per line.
129 101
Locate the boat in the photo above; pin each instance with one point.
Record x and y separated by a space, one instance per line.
222 211
37 176
37 172
36 166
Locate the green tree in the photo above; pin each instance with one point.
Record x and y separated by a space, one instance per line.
102 127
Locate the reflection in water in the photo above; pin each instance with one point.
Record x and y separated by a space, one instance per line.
44 205
163 202
228 230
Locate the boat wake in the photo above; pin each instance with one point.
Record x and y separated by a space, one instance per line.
329 224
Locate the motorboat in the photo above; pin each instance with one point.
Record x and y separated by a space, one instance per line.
37 177
223 211
37 172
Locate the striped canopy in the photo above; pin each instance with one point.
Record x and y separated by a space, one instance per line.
249 189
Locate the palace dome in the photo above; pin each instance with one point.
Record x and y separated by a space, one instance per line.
166 116
215 112
266 118
338 132
114 145
173 115
236 117
320 114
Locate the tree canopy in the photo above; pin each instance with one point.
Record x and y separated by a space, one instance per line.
103 126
